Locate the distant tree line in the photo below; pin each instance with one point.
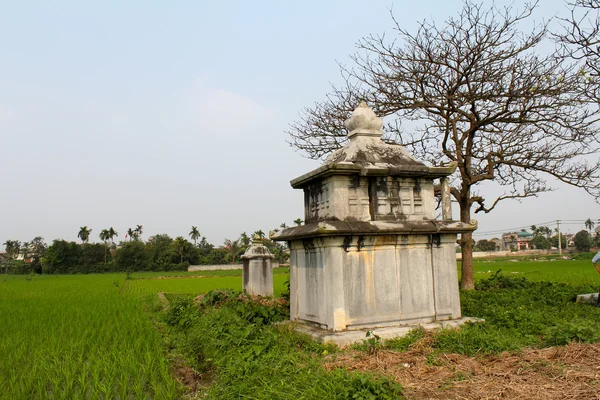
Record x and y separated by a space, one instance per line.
158 253
545 238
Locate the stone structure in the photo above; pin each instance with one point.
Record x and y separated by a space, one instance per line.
257 272
372 253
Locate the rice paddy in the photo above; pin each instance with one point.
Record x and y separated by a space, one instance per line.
88 336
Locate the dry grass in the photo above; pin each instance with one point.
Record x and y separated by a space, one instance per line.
569 372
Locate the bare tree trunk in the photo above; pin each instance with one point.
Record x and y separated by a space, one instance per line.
466 246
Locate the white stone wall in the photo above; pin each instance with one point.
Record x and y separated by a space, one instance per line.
341 284
222 267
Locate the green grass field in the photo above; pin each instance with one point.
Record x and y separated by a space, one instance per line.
573 272
88 336
195 285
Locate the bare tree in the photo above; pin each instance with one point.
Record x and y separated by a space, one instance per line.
581 40
471 91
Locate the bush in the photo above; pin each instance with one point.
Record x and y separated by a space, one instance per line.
132 256
583 241
521 313
19 267
236 338
62 257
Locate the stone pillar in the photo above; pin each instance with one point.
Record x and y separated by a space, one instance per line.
257 273
446 205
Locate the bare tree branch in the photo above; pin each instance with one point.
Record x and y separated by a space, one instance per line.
473 90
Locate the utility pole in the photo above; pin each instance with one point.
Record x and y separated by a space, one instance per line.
559 238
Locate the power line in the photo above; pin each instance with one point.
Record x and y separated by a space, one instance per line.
512 229
543 224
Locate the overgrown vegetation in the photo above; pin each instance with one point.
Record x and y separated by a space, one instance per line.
239 340
518 313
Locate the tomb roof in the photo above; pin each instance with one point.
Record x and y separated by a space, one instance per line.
367 154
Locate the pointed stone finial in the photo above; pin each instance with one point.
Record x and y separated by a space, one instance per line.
364 122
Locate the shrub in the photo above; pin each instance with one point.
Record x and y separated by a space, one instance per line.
234 336
583 241
132 256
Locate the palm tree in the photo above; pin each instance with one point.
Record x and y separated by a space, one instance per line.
233 248
244 239
298 221
13 248
283 225
25 250
259 233
589 224
179 244
111 234
195 235
138 231
105 237
84 234
131 234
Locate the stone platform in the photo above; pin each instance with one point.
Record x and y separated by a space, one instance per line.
348 337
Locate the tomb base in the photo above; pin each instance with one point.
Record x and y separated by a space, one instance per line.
363 281
349 337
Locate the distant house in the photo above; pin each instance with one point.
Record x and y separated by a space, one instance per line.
517 240
499 244
570 239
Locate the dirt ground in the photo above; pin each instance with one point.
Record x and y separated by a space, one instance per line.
569 372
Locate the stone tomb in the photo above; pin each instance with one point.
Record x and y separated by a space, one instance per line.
372 253
257 271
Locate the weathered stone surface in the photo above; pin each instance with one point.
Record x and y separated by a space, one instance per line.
257 272
333 228
372 254
348 282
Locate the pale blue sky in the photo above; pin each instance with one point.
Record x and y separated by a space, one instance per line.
172 114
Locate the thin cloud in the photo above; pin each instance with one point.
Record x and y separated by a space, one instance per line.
222 110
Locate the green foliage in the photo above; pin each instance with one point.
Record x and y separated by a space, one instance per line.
403 343
479 338
250 311
253 358
520 313
19 267
584 256
370 387
372 342
485 245
583 241
62 257
541 242
134 256
182 313
563 241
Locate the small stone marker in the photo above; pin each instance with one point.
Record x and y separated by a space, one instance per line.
372 254
257 272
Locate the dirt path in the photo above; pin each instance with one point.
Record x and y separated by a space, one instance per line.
569 372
